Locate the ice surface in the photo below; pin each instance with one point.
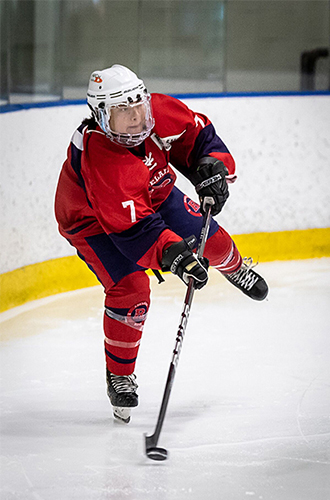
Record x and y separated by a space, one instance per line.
249 414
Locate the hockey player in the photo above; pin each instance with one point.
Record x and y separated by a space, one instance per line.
117 204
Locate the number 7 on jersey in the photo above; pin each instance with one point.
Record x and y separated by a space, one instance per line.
130 204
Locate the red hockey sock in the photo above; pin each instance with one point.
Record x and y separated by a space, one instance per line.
126 308
222 252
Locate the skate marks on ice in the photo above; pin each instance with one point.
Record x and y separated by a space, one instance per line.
249 410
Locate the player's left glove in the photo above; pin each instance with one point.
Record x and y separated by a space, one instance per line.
209 180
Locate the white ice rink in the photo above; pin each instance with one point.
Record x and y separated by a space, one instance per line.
249 414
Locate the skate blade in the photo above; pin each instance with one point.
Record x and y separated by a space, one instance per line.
122 414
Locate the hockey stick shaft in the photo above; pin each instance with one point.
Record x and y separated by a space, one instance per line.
151 441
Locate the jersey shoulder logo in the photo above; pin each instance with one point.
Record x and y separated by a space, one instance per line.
166 142
199 121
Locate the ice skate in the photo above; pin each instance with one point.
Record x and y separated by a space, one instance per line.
122 393
247 280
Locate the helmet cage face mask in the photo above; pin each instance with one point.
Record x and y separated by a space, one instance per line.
103 117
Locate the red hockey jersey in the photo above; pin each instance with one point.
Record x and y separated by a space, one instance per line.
105 187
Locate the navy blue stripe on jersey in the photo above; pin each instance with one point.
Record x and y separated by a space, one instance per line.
76 165
115 263
138 239
122 361
208 142
78 228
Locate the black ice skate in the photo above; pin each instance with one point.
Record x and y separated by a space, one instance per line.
247 280
121 391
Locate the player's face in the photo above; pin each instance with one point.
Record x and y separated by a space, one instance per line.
128 119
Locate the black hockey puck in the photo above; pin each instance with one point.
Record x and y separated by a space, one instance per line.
156 453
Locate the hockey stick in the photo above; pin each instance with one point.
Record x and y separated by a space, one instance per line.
152 450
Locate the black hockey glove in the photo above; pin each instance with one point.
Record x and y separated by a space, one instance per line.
209 180
179 259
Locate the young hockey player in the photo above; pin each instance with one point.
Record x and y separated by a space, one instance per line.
117 204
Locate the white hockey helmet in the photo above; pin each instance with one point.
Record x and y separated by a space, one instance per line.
118 87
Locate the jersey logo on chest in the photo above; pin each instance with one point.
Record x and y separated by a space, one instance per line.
150 162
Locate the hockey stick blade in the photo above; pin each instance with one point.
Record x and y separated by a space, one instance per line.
152 451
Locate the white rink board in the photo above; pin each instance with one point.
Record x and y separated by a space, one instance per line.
280 143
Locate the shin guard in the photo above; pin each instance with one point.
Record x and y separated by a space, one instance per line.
126 308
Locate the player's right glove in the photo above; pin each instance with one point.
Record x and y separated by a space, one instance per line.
180 260
209 180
